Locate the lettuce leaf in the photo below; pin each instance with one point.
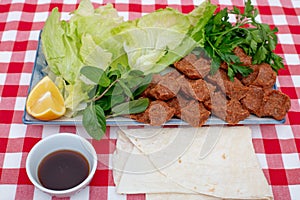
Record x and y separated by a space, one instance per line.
199 18
90 53
157 40
52 40
70 45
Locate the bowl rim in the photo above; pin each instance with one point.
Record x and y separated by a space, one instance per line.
70 190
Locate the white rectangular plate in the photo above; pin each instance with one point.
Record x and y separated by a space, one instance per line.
38 74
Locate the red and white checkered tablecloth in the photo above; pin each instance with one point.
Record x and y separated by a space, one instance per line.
277 146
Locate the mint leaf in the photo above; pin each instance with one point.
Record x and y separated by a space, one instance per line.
144 84
131 107
94 121
125 88
95 75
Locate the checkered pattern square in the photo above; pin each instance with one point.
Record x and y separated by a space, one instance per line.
277 146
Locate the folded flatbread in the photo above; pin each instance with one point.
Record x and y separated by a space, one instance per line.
167 165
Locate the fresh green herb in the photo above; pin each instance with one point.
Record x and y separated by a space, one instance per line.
94 121
131 107
95 75
258 40
116 93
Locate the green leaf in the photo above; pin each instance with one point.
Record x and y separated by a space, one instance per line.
236 11
201 14
222 15
248 38
233 58
104 103
115 90
253 45
260 55
277 62
230 73
92 54
248 8
265 27
245 71
134 81
256 35
117 99
136 73
94 121
125 88
224 57
114 74
124 70
146 81
272 44
107 102
232 43
219 41
147 40
199 18
95 75
215 65
131 107
209 50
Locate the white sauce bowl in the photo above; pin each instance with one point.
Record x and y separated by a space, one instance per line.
60 141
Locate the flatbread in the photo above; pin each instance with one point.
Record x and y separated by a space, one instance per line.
132 168
179 196
123 150
167 164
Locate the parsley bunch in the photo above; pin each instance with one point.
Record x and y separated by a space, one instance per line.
258 40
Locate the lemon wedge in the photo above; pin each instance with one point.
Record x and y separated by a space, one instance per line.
45 102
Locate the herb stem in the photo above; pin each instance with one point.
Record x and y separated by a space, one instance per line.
214 48
105 91
219 34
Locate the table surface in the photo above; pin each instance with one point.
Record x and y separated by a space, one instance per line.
277 146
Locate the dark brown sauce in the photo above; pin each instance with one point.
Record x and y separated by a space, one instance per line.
63 170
